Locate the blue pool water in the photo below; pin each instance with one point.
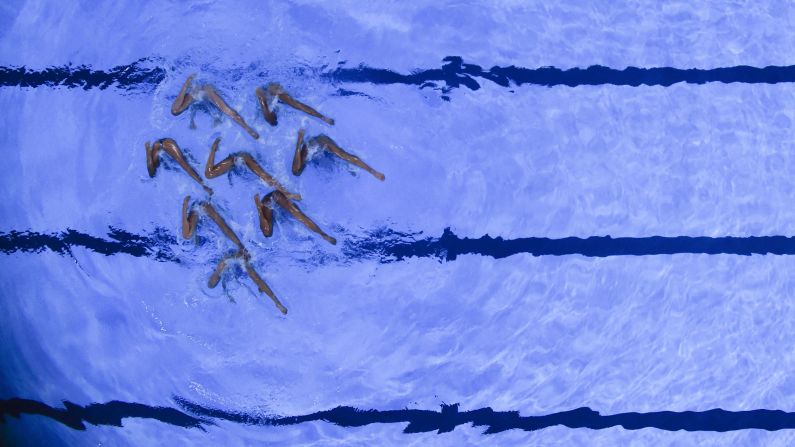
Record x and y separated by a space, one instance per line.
476 281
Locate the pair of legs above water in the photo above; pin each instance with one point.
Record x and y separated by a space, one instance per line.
326 143
190 219
273 92
265 213
171 148
188 94
244 258
213 169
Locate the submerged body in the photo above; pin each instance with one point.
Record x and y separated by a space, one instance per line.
273 93
170 147
261 284
187 95
326 143
213 169
265 213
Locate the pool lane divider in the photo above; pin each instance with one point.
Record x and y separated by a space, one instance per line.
387 246
193 415
145 74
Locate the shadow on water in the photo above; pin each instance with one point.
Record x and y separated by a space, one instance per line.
449 417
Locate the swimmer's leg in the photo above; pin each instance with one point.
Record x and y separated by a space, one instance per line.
219 102
152 159
329 144
293 209
212 170
263 287
171 148
257 169
264 100
265 214
184 98
276 90
213 214
301 153
190 218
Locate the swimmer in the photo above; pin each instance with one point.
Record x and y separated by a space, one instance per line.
265 212
261 285
324 142
213 170
274 93
190 219
170 147
187 95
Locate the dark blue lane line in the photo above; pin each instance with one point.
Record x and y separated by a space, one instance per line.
136 76
157 245
455 73
144 74
110 413
449 417
389 246
193 415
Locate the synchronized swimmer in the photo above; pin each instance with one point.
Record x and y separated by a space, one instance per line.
274 93
265 213
324 142
170 147
213 169
268 97
190 219
188 94
243 257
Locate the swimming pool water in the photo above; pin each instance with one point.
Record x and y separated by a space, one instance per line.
102 300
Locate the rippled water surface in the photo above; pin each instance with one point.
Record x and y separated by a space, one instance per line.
103 300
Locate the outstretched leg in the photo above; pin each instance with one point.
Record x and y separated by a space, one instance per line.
184 98
293 209
278 91
327 143
212 213
257 169
265 214
219 102
190 218
264 102
212 170
301 153
263 287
